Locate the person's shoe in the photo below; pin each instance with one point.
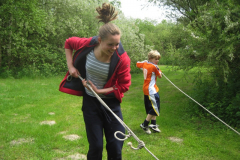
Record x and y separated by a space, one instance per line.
154 128
146 129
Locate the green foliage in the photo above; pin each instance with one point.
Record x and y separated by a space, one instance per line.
36 32
218 47
213 44
233 110
163 37
24 25
220 100
20 25
210 40
133 41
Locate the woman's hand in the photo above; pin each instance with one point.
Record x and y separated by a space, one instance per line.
95 89
74 72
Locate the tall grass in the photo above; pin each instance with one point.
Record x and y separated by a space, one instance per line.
25 103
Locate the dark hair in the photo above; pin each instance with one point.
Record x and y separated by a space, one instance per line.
106 15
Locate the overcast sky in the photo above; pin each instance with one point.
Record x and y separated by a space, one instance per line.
136 9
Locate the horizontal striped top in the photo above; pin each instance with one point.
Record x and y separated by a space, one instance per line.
97 72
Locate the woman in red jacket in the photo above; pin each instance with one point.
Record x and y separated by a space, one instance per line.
103 63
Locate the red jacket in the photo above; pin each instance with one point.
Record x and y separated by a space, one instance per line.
119 76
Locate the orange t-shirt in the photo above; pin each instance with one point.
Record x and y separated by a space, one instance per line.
150 73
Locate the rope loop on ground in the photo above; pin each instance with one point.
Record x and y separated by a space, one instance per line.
141 144
121 139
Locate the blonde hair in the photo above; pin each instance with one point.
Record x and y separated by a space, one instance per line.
154 54
106 15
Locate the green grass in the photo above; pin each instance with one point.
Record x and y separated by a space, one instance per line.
24 103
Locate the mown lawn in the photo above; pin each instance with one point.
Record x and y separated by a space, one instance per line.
26 103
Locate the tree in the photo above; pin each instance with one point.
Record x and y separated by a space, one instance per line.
163 36
133 41
33 33
213 44
22 27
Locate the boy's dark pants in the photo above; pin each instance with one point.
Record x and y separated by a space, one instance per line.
98 119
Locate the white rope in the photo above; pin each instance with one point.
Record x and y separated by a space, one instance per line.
202 106
130 133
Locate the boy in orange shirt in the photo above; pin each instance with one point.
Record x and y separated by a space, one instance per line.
150 90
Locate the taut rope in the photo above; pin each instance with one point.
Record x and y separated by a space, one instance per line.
202 106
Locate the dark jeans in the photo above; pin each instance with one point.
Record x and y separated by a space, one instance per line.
98 121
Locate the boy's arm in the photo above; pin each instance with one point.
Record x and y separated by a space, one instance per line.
160 76
159 71
140 64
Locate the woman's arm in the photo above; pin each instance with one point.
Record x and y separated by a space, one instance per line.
72 70
98 91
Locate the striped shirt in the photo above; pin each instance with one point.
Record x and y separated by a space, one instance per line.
97 72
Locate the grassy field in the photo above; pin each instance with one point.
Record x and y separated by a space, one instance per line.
36 121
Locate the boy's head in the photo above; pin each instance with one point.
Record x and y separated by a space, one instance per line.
154 54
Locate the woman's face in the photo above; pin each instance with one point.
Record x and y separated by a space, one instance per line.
109 45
